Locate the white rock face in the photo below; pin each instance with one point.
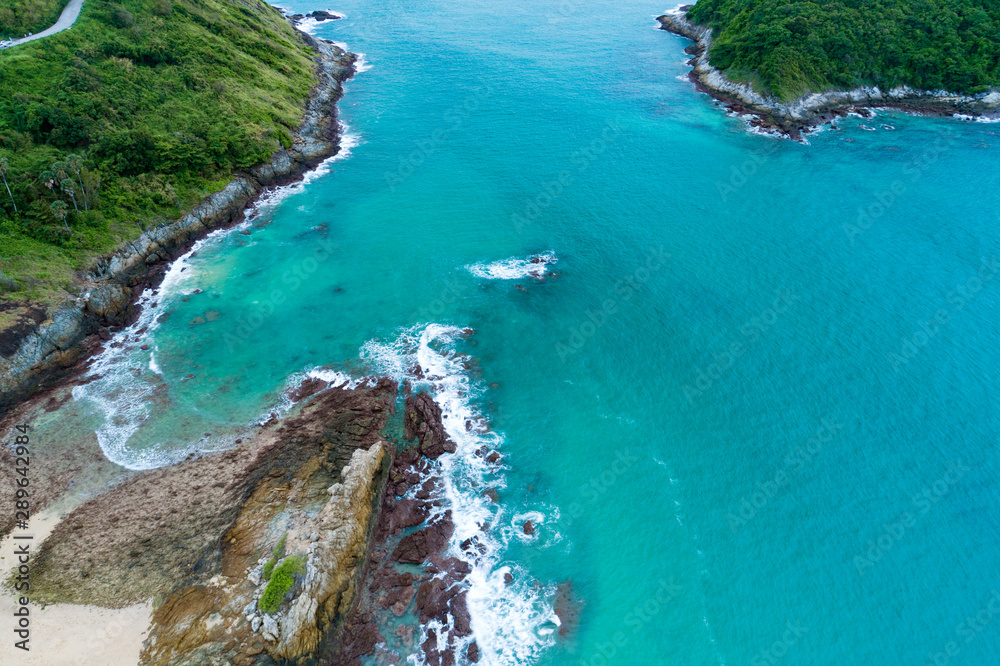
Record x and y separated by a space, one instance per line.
269 630
342 530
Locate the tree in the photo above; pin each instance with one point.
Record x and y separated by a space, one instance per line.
61 210
4 168
75 164
68 187
48 178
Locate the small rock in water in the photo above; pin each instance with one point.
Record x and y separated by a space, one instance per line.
528 527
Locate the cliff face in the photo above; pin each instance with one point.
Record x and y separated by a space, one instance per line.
795 116
196 536
113 284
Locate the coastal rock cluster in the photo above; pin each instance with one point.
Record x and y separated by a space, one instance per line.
113 285
410 581
332 488
193 536
795 117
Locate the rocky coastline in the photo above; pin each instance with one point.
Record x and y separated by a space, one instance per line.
43 352
341 484
797 117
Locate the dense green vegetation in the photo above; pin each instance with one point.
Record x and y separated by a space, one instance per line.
276 554
134 115
19 17
790 47
282 579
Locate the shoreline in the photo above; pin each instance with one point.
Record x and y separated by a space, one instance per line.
58 348
802 115
379 573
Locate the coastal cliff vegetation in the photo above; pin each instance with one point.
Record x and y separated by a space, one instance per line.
20 17
135 114
791 47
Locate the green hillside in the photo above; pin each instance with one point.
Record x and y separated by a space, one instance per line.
20 17
790 47
136 113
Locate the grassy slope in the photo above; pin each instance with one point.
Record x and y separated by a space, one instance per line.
161 99
19 17
790 47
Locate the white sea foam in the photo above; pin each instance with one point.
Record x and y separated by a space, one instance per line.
127 378
272 197
511 623
515 268
307 25
361 64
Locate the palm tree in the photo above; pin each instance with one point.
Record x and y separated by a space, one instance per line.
48 178
75 164
68 187
4 168
61 210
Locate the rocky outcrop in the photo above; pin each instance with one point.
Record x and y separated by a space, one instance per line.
182 522
111 287
423 422
413 592
796 116
342 529
194 536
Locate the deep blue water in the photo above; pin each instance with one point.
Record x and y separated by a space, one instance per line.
754 417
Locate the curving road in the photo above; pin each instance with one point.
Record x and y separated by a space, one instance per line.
67 18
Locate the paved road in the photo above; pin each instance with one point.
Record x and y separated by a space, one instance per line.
66 19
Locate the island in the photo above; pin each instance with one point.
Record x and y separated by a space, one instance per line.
799 64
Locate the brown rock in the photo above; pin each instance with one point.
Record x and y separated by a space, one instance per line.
423 421
433 598
417 547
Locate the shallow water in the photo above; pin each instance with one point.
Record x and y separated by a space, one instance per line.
723 406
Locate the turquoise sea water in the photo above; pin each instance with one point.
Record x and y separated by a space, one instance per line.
754 418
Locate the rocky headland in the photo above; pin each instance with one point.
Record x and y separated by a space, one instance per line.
321 537
815 108
44 347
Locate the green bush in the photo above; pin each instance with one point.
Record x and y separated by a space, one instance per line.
794 46
282 580
278 551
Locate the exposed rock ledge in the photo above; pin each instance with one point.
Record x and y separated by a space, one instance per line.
195 537
792 118
114 283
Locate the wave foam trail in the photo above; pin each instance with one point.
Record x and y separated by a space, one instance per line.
127 378
511 623
271 198
515 268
